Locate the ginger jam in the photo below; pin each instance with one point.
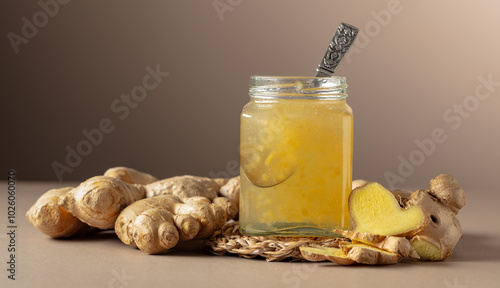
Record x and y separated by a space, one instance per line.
296 157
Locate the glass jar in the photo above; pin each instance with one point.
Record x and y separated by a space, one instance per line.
295 157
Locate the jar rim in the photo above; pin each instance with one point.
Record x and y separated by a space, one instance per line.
298 87
296 77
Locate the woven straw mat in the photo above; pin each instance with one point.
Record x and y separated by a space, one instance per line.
229 241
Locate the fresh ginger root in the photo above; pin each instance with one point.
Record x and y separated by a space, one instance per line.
100 199
130 176
424 223
50 216
393 244
356 252
432 227
178 208
223 193
231 190
320 253
371 255
364 248
440 204
184 187
53 220
357 183
156 224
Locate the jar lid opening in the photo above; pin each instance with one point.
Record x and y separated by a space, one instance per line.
334 87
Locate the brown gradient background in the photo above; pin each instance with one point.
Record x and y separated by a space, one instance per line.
427 58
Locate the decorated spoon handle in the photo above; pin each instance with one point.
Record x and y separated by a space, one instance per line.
341 42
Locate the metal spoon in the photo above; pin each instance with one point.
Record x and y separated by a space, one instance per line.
341 42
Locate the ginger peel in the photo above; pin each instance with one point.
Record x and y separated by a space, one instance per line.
155 225
57 213
366 254
364 248
231 190
130 176
320 253
100 199
184 187
350 253
440 205
222 192
53 220
188 207
394 244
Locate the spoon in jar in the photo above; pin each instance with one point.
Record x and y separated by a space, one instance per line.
340 44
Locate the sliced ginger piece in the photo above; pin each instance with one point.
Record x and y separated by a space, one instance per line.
426 249
427 217
363 237
398 245
375 210
319 253
350 253
394 244
366 254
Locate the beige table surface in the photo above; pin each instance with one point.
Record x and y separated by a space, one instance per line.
103 261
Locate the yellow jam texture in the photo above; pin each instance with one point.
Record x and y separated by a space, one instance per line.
296 159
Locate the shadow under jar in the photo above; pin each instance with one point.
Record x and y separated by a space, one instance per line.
295 156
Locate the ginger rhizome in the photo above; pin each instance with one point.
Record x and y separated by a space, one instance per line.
156 224
100 199
367 254
53 220
440 205
391 225
158 213
432 237
364 248
394 244
66 212
130 176
188 186
177 208
320 253
231 190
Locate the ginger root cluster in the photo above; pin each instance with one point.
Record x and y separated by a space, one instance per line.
391 225
145 212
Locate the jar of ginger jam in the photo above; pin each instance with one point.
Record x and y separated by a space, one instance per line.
295 157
